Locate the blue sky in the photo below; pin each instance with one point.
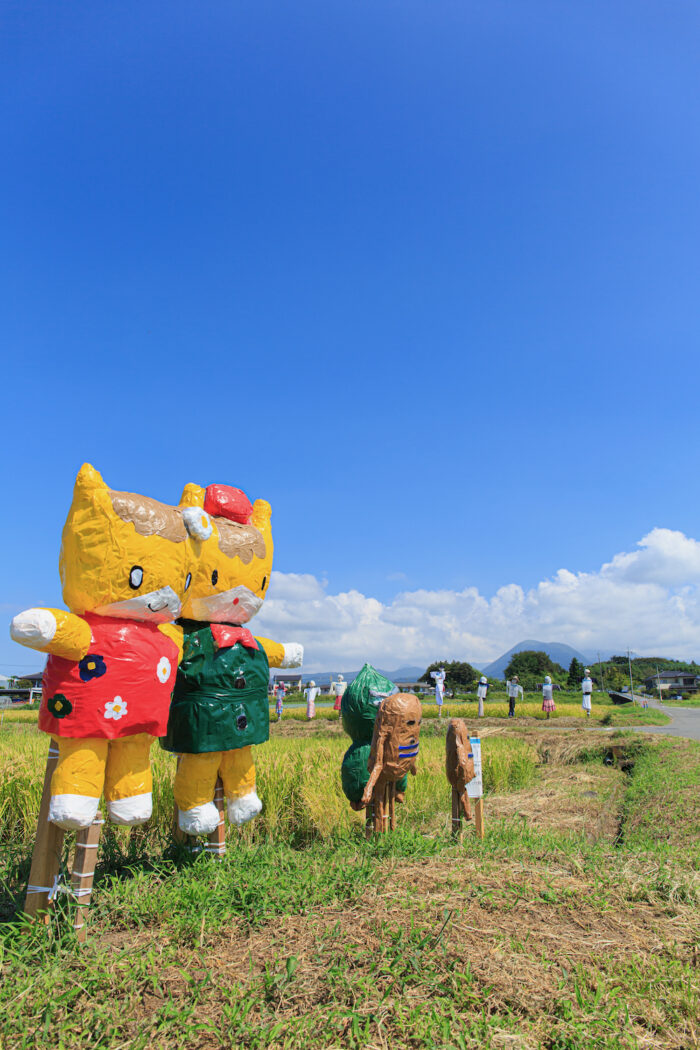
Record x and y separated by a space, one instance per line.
424 275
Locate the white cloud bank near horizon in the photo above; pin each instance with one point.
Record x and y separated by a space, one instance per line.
648 598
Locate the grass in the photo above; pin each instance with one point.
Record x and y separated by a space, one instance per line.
298 780
574 924
688 701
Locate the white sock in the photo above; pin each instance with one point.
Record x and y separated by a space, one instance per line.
73 811
200 820
131 811
241 810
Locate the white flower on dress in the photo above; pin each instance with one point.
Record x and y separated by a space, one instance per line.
115 709
163 669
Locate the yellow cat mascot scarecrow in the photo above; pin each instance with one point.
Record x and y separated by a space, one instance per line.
220 701
113 657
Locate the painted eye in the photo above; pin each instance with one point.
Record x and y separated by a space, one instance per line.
135 577
411 722
188 581
214 578
263 584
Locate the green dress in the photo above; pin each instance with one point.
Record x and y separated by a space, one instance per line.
220 698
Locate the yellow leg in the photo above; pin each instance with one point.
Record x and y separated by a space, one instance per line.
237 770
195 779
128 780
195 782
77 782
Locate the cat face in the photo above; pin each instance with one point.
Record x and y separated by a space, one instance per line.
122 554
232 545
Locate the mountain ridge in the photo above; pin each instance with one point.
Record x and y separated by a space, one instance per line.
560 652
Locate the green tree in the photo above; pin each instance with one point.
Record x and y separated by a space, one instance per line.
531 666
576 673
460 676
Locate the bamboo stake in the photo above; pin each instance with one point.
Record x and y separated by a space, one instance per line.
369 820
83 872
479 817
456 814
216 841
378 812
178 835
48 846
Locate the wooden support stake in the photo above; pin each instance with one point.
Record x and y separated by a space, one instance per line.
379 811
48 847
456 814
178 835
216 841
83 872
479 817
369 820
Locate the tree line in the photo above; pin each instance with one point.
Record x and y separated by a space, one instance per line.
532 665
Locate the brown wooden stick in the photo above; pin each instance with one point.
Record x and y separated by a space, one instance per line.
369 820
178 835
392 805
48 846
479 817
83 872
216 841
456 814
379 811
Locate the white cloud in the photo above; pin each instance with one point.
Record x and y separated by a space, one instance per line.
648 598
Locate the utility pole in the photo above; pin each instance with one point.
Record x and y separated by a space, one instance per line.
658 684
602 676
629 664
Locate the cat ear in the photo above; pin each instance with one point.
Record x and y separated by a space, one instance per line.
197 522
262 512
192 496
89 479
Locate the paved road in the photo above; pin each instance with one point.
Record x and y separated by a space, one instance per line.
685 721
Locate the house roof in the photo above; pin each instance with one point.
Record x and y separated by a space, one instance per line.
671 674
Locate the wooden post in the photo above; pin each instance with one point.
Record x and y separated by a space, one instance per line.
178 835
479 817
48 846
216 841
456 814
379 811
83 872
369 820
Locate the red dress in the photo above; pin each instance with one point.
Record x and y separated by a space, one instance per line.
122 687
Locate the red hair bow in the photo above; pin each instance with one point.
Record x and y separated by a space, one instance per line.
225 502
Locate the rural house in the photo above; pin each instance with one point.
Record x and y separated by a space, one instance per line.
676 681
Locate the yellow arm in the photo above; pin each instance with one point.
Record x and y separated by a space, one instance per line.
274 651
282 654
52 631
175 634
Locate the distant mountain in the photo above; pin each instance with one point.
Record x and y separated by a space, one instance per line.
557 651
403 674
